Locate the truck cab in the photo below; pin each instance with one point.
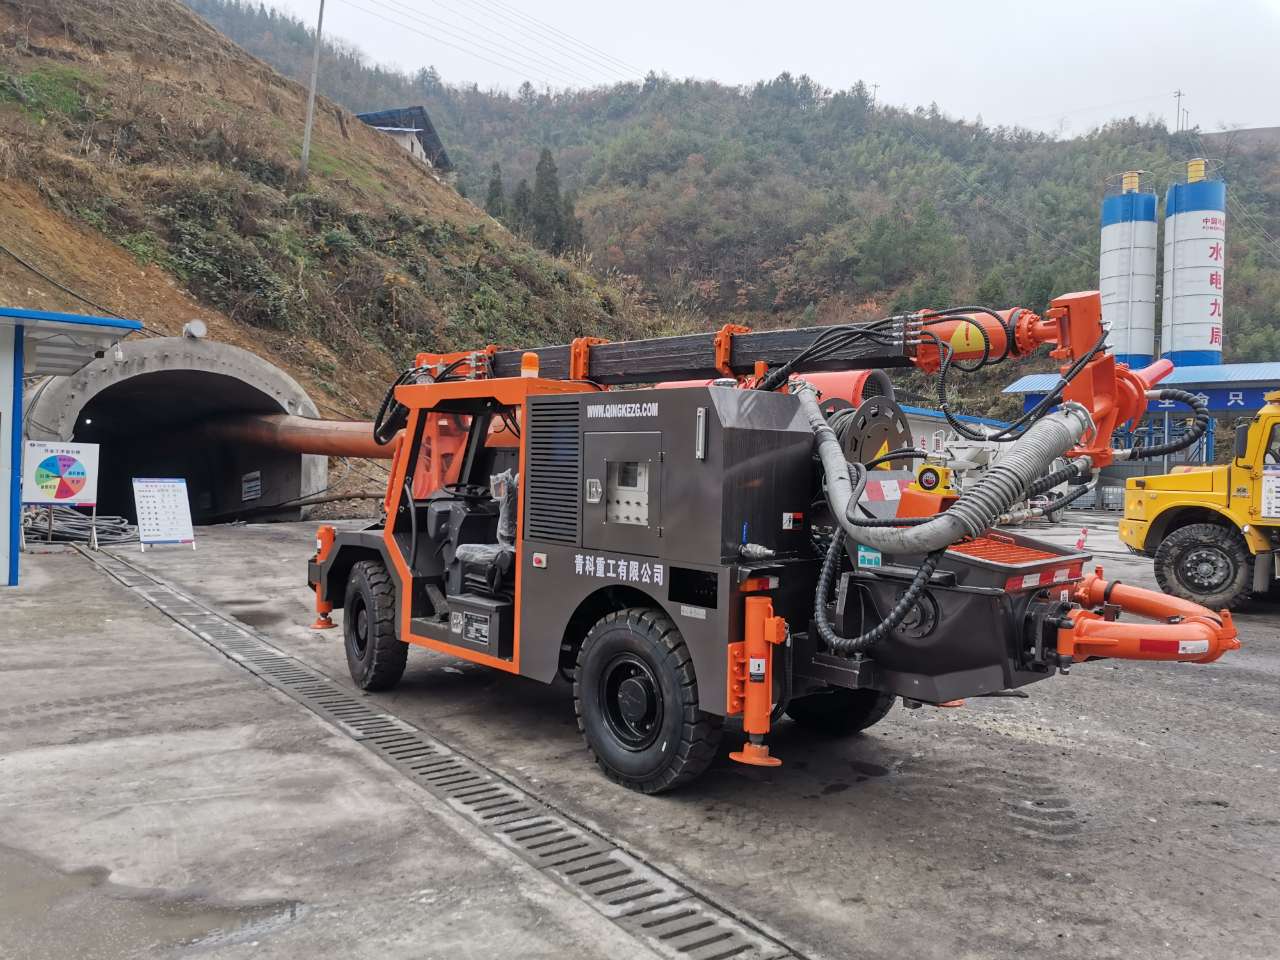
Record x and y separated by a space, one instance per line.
1213 531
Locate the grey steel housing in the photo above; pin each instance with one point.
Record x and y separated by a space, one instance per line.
755 469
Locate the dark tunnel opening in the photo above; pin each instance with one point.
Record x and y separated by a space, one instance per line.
152 425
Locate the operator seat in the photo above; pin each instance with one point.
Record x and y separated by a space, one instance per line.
486 567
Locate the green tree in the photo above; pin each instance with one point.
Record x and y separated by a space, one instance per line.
991 291
521 215
548 209
495 201
572 238
427 79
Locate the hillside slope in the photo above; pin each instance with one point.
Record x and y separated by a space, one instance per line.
782 199
149 164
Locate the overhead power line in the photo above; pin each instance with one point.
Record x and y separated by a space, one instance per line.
104 311
552 33
511 68
519 51
513 62
569 55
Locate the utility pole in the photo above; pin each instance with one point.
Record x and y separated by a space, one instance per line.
311 96
1177 119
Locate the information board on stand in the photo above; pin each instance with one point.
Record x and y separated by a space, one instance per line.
164 511
61 474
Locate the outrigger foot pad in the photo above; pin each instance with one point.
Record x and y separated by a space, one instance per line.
755 755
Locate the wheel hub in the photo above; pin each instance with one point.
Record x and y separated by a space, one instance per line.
362 629
632 700
635 700
1207 569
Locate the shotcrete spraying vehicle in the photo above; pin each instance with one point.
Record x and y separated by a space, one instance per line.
681 528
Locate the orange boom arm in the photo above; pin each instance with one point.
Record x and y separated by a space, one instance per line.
1112 393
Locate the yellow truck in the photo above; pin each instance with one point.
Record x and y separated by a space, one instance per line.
1214 532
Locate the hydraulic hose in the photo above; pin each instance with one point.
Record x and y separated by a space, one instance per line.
1197 430
847 646
1033 453
1047 511
1073 470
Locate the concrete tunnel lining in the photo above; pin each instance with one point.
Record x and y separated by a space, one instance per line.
146 406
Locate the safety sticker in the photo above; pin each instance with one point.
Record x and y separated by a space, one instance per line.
869 556
792 521
892 490
695 613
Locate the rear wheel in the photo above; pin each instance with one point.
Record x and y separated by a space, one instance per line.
375 655
1207 563
636 698
840 712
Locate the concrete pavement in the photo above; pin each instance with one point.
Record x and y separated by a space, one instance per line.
1129 810
158 801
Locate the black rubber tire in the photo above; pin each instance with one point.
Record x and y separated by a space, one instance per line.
684 738
840 712
1217 544
375 655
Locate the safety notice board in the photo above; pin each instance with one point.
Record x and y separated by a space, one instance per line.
1271 492
164 512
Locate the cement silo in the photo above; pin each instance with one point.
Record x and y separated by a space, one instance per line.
1195 253
1127 271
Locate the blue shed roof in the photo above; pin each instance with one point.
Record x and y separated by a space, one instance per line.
1266 374
405 118
962 417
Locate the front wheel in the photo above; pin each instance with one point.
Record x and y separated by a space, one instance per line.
636 698
1206 563
375 655
840 712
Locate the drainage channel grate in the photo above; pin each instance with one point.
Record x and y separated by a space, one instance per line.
651 906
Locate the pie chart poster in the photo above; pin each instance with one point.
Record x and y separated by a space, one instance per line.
65 474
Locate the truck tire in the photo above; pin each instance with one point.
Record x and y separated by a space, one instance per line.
375 655
840 712
636 699
1205 562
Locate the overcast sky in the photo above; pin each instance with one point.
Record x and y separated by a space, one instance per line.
1062 66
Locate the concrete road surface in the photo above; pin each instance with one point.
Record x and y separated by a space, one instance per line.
1128 810
156 801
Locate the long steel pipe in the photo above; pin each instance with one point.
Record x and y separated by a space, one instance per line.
280 431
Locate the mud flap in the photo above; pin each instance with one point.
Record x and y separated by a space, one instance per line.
1266 569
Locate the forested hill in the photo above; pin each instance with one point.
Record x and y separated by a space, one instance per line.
787 199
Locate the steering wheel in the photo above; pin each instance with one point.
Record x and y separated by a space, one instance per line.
468 491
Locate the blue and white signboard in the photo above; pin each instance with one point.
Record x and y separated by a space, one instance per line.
1239 400
164 511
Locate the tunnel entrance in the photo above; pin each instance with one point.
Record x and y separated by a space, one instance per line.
149 410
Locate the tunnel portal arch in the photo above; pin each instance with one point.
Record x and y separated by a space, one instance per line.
147 404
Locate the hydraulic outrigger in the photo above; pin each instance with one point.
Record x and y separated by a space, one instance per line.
679 553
